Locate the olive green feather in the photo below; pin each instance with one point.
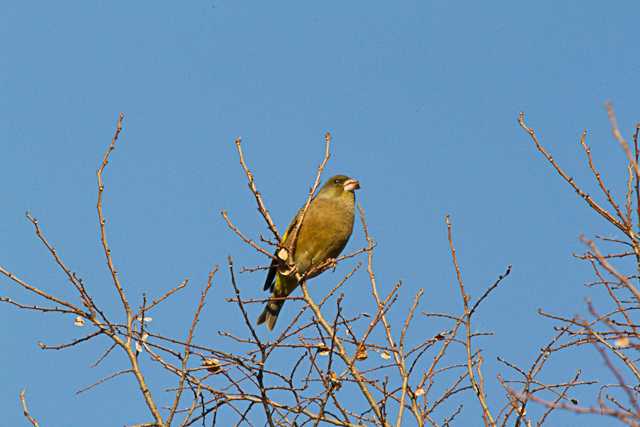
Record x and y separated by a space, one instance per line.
324 233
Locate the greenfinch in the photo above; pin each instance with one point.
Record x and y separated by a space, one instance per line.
325 230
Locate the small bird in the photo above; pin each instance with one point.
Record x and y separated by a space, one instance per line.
325 230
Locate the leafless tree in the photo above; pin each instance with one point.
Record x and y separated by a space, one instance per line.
349 368
610 329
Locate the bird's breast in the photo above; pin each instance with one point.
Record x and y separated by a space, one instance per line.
325 231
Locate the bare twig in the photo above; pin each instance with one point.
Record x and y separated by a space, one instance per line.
25 409
467 315
587 198
252 185
300 218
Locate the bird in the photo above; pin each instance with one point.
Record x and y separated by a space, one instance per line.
325 231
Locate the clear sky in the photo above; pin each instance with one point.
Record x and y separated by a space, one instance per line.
421 98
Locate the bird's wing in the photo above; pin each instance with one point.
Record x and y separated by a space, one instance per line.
268 284
273 268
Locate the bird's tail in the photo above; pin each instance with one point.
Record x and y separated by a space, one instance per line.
270 313
282 287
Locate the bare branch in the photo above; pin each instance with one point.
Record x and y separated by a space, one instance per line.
25 409
252 186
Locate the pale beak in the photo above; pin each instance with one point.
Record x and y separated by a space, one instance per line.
351 184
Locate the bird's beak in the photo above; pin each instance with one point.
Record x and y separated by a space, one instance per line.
351 184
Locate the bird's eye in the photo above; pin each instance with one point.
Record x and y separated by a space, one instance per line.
337 181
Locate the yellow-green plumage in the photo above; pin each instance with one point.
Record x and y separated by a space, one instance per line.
324 233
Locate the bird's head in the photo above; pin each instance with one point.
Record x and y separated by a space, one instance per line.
339 185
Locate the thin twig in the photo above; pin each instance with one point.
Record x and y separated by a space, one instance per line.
25 409
467 315
259 200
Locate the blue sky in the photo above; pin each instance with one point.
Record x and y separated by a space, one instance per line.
421 98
